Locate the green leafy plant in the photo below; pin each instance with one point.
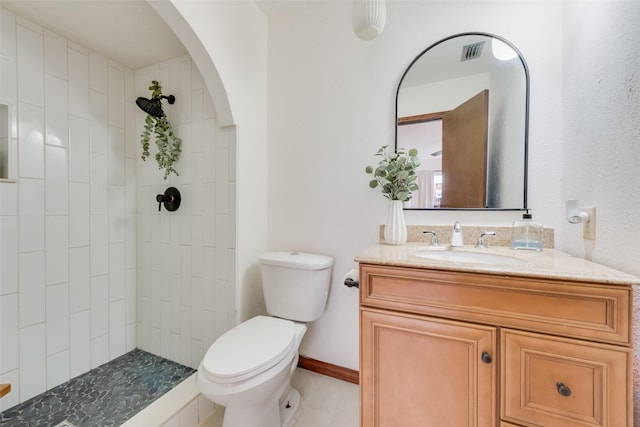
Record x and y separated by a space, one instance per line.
396 173
168 144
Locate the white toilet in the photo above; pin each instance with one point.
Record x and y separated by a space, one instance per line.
248 369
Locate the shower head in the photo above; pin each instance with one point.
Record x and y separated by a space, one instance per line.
154 106
150 106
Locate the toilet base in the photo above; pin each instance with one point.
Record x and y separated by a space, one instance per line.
290 405
281 413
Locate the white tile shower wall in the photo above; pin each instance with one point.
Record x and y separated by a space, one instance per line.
186 259
67 293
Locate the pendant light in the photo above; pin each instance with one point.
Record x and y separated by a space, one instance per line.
368 18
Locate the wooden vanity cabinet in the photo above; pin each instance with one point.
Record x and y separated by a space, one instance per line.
446 348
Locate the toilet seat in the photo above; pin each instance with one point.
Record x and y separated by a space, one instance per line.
249 349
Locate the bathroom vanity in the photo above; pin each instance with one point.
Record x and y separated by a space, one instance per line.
521 339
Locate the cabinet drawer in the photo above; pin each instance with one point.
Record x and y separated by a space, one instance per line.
557 382
575 309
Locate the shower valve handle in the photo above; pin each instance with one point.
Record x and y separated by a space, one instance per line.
171 199
163 198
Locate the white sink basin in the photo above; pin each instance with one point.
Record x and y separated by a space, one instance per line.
468 257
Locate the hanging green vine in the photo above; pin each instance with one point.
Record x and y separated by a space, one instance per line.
168 144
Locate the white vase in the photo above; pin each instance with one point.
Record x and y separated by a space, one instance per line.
395 230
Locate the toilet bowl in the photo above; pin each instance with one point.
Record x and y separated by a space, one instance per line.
248 369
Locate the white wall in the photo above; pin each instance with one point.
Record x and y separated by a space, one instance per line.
186 296
229 38
67 224
506 175
601 115
601 134
332 105
441 96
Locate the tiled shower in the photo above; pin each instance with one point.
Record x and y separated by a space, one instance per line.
89 268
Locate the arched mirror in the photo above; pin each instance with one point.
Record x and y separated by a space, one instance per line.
464 104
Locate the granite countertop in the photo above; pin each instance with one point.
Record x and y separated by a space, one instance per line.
550 263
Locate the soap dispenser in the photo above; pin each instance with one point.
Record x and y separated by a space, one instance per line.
527 234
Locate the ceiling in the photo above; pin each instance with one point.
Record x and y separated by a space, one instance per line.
276 7
128 31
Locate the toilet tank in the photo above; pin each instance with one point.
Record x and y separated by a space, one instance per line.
295 284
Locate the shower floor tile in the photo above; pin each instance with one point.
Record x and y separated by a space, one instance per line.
105 396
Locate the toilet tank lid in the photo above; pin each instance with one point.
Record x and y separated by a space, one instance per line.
300 260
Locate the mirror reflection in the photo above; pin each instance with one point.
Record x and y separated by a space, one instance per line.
463 103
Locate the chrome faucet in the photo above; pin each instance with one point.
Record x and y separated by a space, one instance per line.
480 244
456 235
434 238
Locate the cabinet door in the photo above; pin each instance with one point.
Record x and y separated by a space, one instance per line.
557 382
421 371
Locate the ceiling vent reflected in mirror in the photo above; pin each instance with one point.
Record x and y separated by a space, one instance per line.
471 51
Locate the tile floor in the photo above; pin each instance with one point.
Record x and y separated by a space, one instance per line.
326 402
